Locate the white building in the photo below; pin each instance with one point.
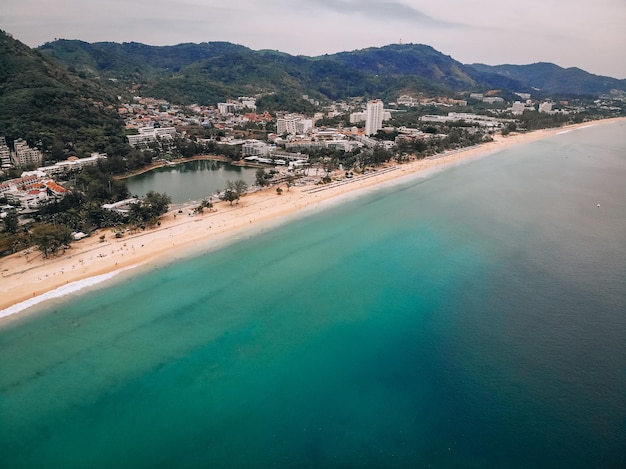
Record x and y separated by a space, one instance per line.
248 102
5 154
304 125
343 145
226 108
411 132
374 117
31 189
71 164
24 155
518 107
406 100
357 117
545 107
293 124
255 148
286 125
150 134
123 206
366 141
493 99
308 144
483 121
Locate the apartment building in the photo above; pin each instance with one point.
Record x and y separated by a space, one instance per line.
24 155
374 117
293 124
5 154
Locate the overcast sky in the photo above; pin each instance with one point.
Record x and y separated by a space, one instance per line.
571 33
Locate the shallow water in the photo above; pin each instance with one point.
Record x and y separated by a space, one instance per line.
474 318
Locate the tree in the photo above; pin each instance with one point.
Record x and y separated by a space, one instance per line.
156 203
239 187
289 181
50 238
261 177
150 208
230 196
204 204
510 127
279 191
380 155
11 222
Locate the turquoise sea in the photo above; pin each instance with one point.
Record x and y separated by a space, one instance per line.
472 318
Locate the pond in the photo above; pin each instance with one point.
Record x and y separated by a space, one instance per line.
189 181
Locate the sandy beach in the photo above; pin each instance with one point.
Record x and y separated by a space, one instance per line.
26 277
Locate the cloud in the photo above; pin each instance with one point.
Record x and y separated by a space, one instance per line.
381 10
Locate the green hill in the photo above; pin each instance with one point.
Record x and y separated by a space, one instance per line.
214 71
53 108
210 72
550 78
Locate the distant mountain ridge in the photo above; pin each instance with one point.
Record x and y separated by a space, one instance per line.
212 71
551 78
133 56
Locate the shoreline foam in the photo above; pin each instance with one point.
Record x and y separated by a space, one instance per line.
60 292
28 281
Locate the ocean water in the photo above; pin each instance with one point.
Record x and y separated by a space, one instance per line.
472 318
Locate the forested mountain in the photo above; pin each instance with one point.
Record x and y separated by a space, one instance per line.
214 71
132 59
210 72
417 60
551 78
53 108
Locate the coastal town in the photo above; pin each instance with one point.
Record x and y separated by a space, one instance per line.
342 138
50 201
38 273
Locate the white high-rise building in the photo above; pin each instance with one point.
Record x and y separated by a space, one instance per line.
374 117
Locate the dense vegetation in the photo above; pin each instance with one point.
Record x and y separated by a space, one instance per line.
207 73
53 109
211 72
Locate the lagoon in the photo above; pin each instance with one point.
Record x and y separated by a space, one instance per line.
189 181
